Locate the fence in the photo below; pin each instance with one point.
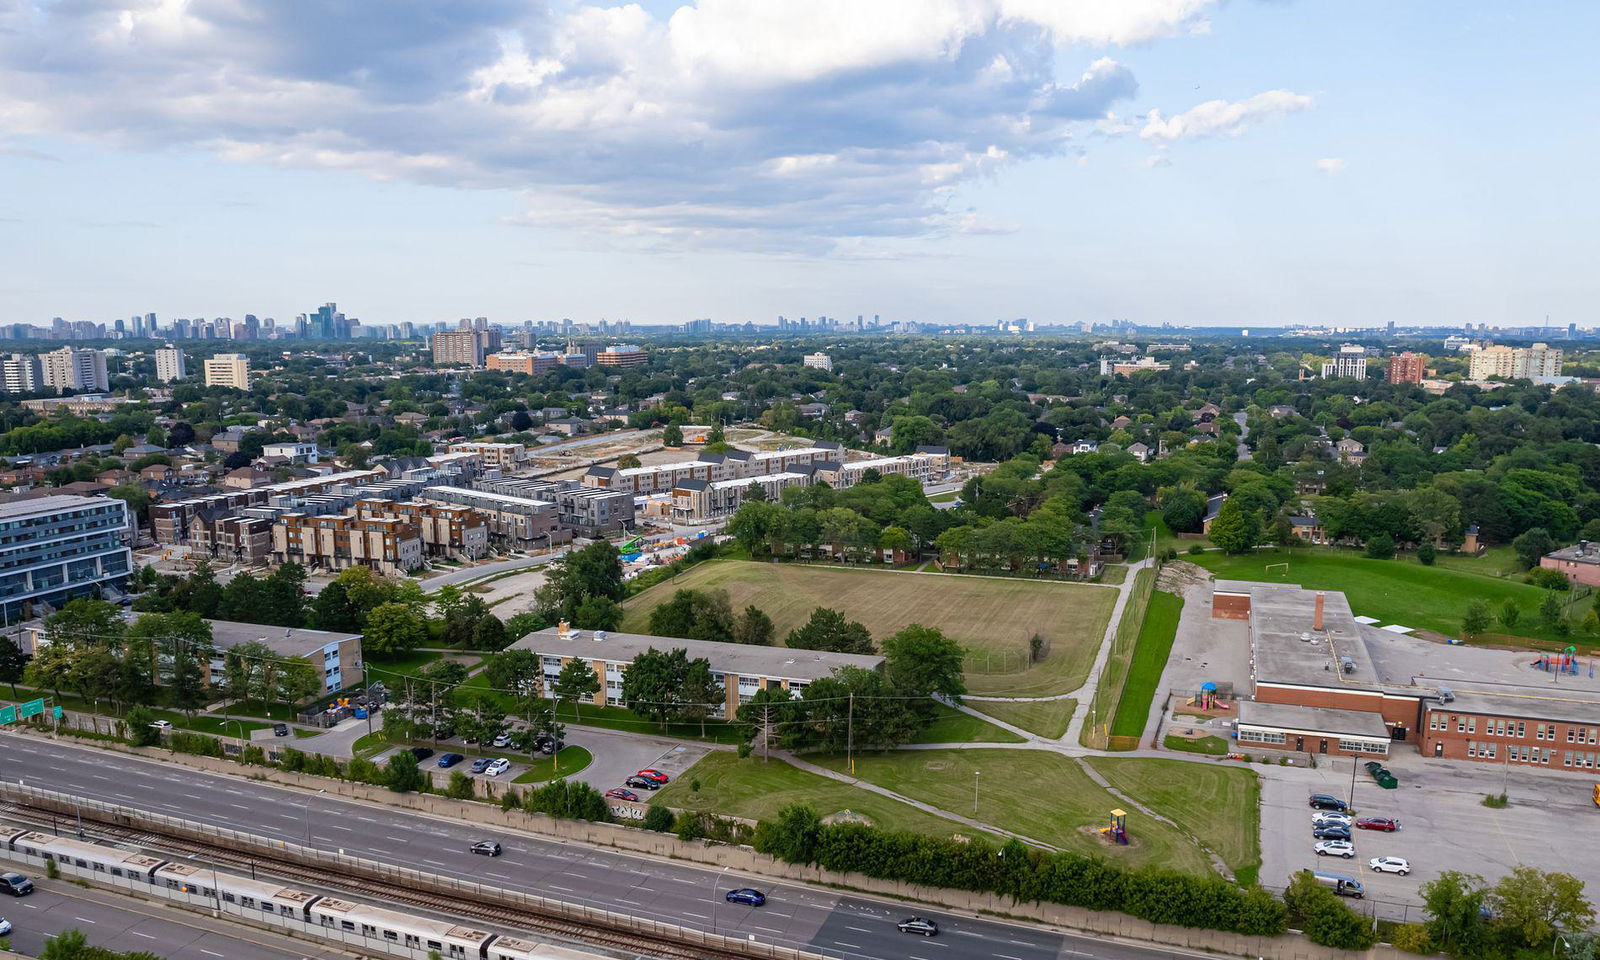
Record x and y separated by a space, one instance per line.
1108 692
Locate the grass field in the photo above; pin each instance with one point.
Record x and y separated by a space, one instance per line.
1149 660
953 726
1219 806
1042 795
1047 718
757 789
1108 690
1211 746
1404 591
992 617
571 760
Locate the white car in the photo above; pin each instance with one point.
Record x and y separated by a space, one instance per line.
5 926
1324 818
1336 848
1398 865
161 725
499 766
503 740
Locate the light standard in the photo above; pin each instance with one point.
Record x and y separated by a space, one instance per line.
306 814
714 878
216 887
975 792
1355 761
240 725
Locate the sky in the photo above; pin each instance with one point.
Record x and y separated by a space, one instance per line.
1207 162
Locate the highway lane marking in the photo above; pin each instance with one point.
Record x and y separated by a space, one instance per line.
335 826
289 816
851 946
1006 956
497 876
192 796
562 889
238 806
138 934
631 903
768 929
83 919
434 862
858 929
396 839
682 880
209 953
97 776
699 916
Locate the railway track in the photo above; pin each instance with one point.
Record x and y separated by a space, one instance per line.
623 943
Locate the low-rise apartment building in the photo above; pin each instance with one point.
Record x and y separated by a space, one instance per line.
57 548
711 467
697 501
531 362
452 532
170 521
925 465
586 511
388 545
1579 563
520 523
505 456
741 670
228 535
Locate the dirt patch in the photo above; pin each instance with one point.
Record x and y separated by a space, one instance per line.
1102 836
849 816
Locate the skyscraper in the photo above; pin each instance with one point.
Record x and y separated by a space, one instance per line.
458 346
1407 367
72 369
228 370
170 364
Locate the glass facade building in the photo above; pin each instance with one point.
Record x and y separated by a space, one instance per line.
57 548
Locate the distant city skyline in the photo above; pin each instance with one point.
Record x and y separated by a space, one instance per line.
1252 164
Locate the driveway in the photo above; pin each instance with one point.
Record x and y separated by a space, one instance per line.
617 755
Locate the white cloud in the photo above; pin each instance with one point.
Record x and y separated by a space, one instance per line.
783 124
1332 166
1219 118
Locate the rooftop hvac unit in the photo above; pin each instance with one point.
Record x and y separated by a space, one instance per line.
1347 664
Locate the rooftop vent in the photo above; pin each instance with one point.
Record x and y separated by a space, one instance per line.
599 636
1347 664
1446 695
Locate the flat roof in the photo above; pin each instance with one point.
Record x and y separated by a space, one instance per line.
1288 650
743 659
54 503
505 498
1314 720
286 641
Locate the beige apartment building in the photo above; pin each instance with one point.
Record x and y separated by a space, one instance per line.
506 456
228 370
389 545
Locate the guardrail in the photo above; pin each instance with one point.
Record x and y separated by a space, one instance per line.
67 805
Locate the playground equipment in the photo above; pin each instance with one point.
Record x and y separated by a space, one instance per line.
1207 699
1564 662
1118 830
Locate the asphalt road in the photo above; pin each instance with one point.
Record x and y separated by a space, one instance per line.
847 927
121 924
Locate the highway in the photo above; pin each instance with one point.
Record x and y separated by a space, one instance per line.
840 925
124 924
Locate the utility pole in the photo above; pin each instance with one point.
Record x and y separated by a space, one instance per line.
850 735
1355 761
766 733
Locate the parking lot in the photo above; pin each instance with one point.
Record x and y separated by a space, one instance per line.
1444 825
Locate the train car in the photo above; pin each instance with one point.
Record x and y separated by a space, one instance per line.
86 856
260 899
406 931
510 948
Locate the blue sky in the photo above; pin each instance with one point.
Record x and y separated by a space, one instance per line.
944 160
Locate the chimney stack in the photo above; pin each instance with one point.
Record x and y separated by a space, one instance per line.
1316 618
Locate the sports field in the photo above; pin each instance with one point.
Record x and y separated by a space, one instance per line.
992 617
1404 591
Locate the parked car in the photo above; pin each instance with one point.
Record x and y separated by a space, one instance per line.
1398 865
920 925
5 927
421 753
503 740
1336 848
754 898
280 729
1332 831
497 766
162 725
617 793
547 745
1378 823
655 775
450 759
1322 817
1322 801
487 848
16 884
643 783
481 764
1341 884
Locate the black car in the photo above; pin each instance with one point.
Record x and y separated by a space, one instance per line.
920 925
16 884
487 848
421 753
280 729
643 783
1322 801
1332 831
548 746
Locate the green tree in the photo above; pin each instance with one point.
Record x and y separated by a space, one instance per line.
489 634
576 683
793 837
1183 509
828 630
598 613
140 732
1234 530
594 571
1476 620
68 945
672 436
1326 920
756 628
652 685
204 595
694 615
1380 547
1454 905
1550 608
1426 554
402 774
333 611
13 662
393 628
1532 545
628 461
1510 613
85 623
1536 906
922 661
700 692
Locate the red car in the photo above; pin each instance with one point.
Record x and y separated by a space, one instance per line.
655 775
1378 823
617 793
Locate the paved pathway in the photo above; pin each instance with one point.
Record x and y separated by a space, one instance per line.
1124 591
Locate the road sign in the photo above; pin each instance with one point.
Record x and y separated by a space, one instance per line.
55 712
9 715
32 708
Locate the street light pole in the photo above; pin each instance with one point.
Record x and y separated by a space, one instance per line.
714 878
306 815
1355 761
975 792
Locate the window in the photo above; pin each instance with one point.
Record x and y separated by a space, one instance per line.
1461 724
1262 736
1571 734
1433 721
1472 748
1472 724
1522 729
347 925
1488 751
1566 758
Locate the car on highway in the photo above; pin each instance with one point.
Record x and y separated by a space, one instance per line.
5 926
1322 801
502 740
487 848
617 793
1323 817
754 898
497 766
1398 865
16 884
421 753
920 925
450 759
1378 823
1331 831
643 783
280 729
655 775
1336 848
481 764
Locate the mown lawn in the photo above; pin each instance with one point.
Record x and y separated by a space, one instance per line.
564 764
389 669
757 789
1149 660
993 617
1218 805
953 726
1211 746
1404 591
1038 794
1047 718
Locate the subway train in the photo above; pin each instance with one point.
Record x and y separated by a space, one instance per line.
305 913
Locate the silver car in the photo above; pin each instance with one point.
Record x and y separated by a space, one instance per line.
1336 848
